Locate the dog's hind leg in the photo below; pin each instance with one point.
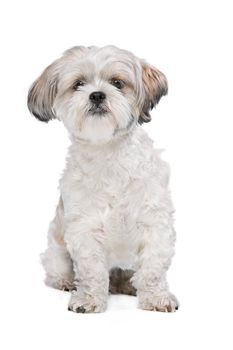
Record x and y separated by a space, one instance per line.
56 259
119 282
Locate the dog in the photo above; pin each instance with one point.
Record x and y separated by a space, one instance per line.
113 230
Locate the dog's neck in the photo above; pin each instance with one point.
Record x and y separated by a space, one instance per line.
114 145
128 151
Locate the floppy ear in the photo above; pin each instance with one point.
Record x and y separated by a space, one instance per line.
155 86
42 94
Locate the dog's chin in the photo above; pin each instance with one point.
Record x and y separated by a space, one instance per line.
97 127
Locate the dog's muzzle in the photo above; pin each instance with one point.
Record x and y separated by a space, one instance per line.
97 98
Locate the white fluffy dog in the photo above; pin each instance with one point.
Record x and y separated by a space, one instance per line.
113 228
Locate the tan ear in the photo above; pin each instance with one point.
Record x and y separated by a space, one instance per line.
155 86
42 94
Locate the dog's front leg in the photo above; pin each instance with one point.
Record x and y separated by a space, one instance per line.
155 253
86 247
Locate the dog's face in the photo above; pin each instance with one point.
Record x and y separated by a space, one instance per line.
98 93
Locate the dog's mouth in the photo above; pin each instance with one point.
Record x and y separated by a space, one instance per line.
99 110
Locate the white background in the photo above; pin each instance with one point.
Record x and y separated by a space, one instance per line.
191 42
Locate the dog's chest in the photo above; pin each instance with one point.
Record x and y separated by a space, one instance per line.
108 191
116 203
106 174
100 190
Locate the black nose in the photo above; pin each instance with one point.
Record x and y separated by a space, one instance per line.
97 97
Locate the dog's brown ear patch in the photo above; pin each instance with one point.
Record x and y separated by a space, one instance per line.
42 94
155 86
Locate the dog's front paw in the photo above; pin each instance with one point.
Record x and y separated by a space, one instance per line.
86 303
164 302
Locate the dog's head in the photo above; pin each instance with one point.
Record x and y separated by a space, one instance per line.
98 93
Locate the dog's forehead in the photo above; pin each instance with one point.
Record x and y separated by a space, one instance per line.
111 56
103 61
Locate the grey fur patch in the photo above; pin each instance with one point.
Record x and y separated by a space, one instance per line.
130 123
119 282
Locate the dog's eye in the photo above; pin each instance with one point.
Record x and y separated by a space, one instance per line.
77 84
119 84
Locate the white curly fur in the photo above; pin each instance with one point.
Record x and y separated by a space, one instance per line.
115 208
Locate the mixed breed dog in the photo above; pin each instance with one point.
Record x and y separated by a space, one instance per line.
113 228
